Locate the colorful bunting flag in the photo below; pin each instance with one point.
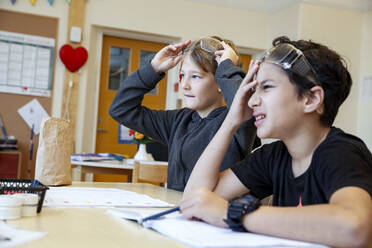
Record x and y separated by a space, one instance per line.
13 1
68 1
51 2
32 2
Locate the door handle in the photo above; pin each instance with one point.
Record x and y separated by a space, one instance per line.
100 130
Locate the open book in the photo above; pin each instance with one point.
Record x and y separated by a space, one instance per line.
201 234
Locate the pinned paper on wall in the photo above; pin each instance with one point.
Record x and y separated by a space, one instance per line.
26 64
366 89
33 113
123 135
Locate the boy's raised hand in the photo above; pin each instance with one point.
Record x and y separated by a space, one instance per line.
239 110
168 57
226 53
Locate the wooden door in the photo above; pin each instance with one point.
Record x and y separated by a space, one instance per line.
120 57
245 59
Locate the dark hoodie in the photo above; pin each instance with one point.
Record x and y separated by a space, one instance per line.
183 130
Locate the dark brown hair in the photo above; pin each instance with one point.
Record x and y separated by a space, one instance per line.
331 72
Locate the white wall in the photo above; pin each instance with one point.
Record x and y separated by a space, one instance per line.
179 18
341 30
164 21
284 22
175 20
365 107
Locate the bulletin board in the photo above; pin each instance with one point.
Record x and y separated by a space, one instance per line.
34 25
26 64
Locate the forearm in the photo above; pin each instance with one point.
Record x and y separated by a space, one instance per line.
128 99
127 106
328 224
206 171
229 78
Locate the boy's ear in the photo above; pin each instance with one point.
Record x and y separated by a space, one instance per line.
314 100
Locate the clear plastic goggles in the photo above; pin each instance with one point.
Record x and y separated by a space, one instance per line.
210 44
290 58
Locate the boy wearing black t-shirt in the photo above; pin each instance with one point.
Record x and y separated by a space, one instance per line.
319 176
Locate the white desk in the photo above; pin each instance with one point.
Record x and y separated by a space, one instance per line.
93 227
124 167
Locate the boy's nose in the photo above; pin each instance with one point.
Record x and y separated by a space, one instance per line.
254 100
185 83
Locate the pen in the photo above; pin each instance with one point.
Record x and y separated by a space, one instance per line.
29 164
155 216
32 141
4 239
3 129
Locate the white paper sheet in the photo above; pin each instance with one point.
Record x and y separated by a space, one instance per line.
10 236
98 197
26 64
33 113
201 234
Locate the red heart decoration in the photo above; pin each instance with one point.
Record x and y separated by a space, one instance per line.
73 58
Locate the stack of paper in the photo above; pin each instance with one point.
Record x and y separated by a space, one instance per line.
96 157
98 197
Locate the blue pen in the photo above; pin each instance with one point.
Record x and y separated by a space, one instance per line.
4 239
3 129
32 141
158 215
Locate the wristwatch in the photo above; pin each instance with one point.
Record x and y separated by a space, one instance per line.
239 207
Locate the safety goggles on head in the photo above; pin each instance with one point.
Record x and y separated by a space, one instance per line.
290 58
210 44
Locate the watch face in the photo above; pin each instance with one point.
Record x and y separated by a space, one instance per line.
242 201
247 199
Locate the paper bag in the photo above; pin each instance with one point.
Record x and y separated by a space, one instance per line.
53 164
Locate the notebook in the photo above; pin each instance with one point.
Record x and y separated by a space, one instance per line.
201 234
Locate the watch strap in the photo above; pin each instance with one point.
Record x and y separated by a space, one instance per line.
236 210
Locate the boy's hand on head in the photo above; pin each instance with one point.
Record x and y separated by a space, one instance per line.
226 53
204 205
168 57
239 110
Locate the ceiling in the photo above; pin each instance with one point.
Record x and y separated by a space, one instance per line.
275 5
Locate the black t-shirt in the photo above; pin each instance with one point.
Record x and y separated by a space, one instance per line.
340 160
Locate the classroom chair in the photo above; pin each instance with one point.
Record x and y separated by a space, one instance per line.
148 172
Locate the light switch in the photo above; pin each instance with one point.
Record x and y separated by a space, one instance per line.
75 34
